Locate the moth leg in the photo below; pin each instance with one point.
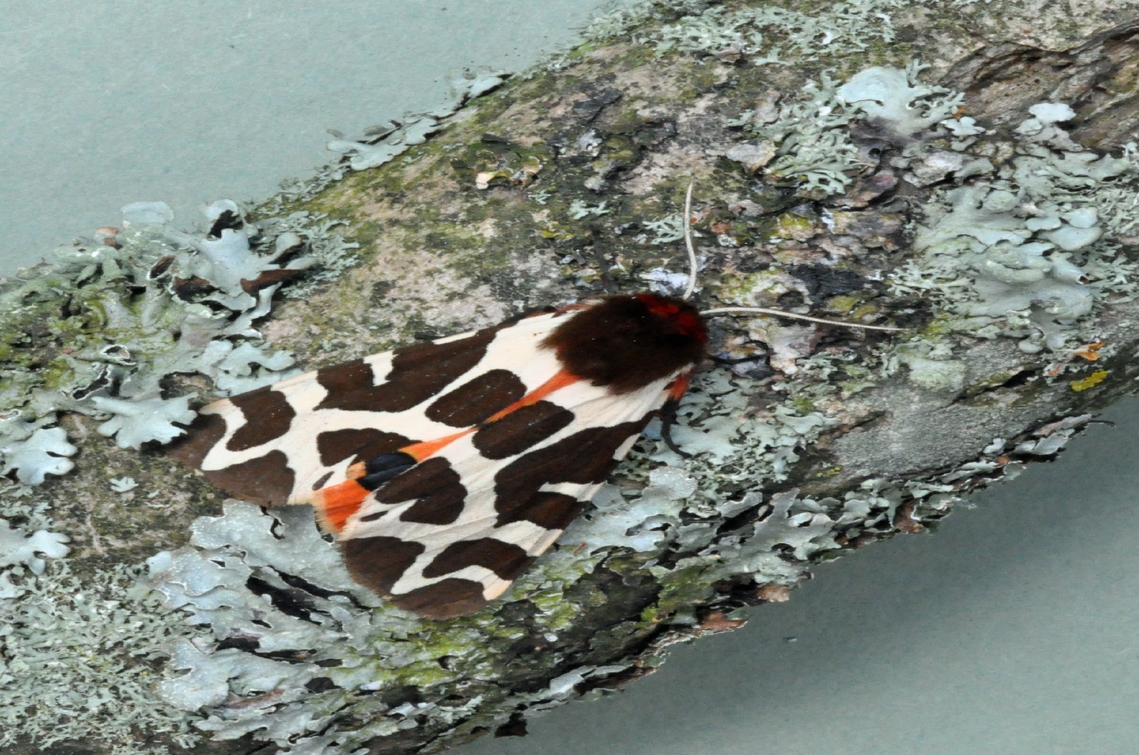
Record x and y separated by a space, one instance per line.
667 420
728 361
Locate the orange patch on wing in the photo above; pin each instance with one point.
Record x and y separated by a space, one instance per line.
560 380
424 449
336 503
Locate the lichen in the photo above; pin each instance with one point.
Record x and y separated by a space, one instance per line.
1019 250
140 421
77 652
810 133
32 451
17 547
768 34
76 660
267 635
382 144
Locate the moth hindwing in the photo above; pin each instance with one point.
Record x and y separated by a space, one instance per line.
446 468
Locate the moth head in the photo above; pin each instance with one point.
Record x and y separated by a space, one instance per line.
682 315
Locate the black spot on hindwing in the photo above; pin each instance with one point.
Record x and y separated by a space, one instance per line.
373 517
504 559
347 384
268 479
379 562
201 436
434 486
554 511
445 599
268 416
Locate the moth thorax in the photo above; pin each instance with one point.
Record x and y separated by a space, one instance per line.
626 342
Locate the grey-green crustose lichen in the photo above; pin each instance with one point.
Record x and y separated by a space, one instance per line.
282 646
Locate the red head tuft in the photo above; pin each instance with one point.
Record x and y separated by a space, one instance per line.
681 314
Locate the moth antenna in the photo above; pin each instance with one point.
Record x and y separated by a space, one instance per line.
691 287
792 316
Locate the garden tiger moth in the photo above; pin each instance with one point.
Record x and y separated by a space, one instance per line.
446 468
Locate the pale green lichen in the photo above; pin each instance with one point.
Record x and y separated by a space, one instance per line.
134 342
33 452
1020 251
624 19
388 144
814 148
665 230
123 484
140 421
1016 251
931 365
810 132
899 98
18 547
579 209
382 144
76 654
768 34
75 661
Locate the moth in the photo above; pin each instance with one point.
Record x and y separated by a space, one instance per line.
444 469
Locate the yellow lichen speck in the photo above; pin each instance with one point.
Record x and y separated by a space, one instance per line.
1090 381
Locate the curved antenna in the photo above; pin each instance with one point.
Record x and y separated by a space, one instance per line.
691 287
793 316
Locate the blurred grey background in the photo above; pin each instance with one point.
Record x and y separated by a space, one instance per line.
1010 630
106 102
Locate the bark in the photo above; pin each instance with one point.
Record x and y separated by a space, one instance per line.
547 190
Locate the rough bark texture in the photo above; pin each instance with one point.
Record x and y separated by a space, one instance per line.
514 204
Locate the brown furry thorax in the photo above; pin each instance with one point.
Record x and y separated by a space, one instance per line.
628 341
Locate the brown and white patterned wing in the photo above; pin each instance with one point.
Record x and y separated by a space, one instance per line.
283 441
453 532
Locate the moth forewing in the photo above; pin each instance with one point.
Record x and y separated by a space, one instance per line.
507 433
279 443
